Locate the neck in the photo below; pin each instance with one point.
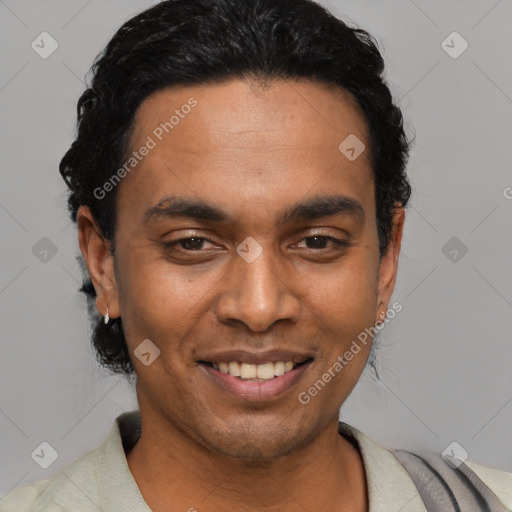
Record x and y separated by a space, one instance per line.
174 472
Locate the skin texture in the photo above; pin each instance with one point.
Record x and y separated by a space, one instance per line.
252 151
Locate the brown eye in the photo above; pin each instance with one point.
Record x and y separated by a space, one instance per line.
318 242
194 243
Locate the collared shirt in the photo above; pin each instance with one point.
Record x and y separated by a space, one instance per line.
100 480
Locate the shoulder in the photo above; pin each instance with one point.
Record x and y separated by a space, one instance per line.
471 485
97 480
499 481
23 498
427 480
75 484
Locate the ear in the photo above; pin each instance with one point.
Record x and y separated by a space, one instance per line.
99 261
389 263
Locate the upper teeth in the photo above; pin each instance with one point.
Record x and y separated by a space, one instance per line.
252 371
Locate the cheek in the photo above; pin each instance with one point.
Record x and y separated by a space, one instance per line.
146 295
160 300
343 303
345 294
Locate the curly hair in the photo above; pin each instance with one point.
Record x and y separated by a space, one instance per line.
179 42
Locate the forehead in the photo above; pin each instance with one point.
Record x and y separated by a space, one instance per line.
236 110
251 143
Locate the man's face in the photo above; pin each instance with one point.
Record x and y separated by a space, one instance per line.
254 286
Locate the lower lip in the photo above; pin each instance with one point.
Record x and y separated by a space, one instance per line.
257 391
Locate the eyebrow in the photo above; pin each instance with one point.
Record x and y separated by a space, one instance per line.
311 209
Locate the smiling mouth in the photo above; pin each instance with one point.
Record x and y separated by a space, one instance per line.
255 372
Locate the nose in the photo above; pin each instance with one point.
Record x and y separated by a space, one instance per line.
259 293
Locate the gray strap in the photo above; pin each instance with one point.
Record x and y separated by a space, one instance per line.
446 489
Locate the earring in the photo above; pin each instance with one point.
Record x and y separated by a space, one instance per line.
382 314
106 318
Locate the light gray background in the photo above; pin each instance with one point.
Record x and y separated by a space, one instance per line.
446 359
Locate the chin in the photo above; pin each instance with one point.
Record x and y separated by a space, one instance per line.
261 442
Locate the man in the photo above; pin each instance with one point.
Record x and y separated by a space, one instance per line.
238 181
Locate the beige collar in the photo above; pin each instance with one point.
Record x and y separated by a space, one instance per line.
389 484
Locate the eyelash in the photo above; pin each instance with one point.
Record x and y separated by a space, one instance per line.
336 241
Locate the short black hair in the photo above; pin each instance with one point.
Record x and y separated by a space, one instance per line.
202 42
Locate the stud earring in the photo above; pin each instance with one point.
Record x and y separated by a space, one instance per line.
106 318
